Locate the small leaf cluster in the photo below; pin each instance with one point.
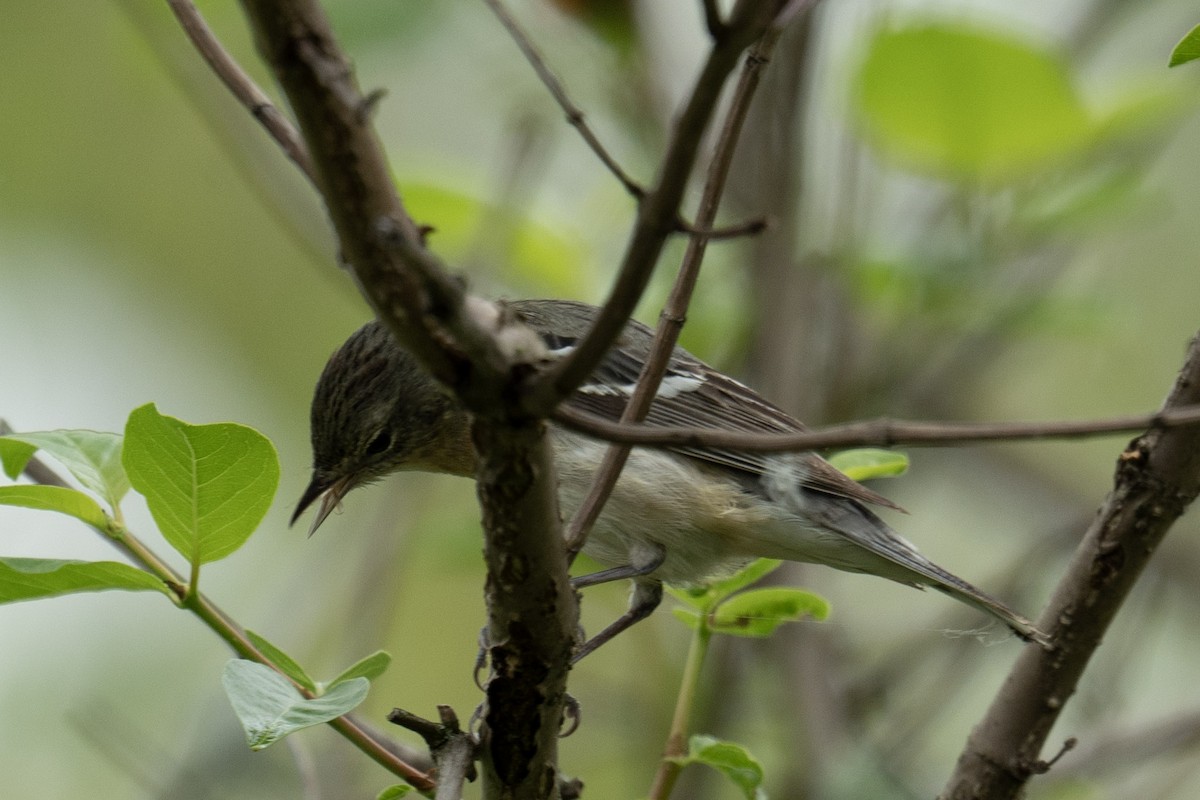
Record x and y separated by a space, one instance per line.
208 488
722 606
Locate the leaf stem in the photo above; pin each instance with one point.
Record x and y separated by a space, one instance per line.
186 596
669 768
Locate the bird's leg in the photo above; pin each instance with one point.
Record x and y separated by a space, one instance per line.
646 597
643 562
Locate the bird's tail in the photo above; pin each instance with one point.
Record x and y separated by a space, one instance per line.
964 592
889 555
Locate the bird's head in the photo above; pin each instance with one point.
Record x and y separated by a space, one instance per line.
377 411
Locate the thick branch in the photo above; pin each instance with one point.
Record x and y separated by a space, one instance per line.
532 612
471 346
401 280
1158 476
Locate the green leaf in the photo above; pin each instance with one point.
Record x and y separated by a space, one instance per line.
286 663
975 104
15 455
208 486
687 616
31 578
56 498
866 463
708 595
751 573
730 759
759 612
93 457
270 708
392 792
370 668
1188 48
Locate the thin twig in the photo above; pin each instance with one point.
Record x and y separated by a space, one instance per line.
751 227
712 19
577 120
575 116
241 85
873 433
675 311
659 210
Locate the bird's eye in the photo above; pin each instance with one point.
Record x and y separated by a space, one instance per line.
380 444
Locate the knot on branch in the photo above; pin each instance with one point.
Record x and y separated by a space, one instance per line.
1040 767
452 748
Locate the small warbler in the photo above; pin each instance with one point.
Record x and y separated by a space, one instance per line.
679 514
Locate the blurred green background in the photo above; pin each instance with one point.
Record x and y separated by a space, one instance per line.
980 210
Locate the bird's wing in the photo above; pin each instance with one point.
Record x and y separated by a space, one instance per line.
694 395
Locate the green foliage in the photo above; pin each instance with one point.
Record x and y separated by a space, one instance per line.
92 457
208 486
269 706
392 792
705 597
731 760
286 664
1188 48
56 498
34 578
721 606
969 103
370 668
14 455
759 612
868 463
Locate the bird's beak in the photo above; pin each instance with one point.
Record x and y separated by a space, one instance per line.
330 494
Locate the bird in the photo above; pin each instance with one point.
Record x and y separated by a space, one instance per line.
678 515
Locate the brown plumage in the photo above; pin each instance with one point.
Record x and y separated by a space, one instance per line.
679 515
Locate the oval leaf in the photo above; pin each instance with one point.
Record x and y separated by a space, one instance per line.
708 595
56 498
93 457
269 707
759 612
687 616
15 455
867 463
393 792
370 668
730 759
1188 48
208 486
32 578
974 103
288 665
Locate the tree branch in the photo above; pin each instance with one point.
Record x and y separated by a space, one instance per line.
575 116
659 209
874 433
241 85
452 748
675 311
1157 478
471 346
